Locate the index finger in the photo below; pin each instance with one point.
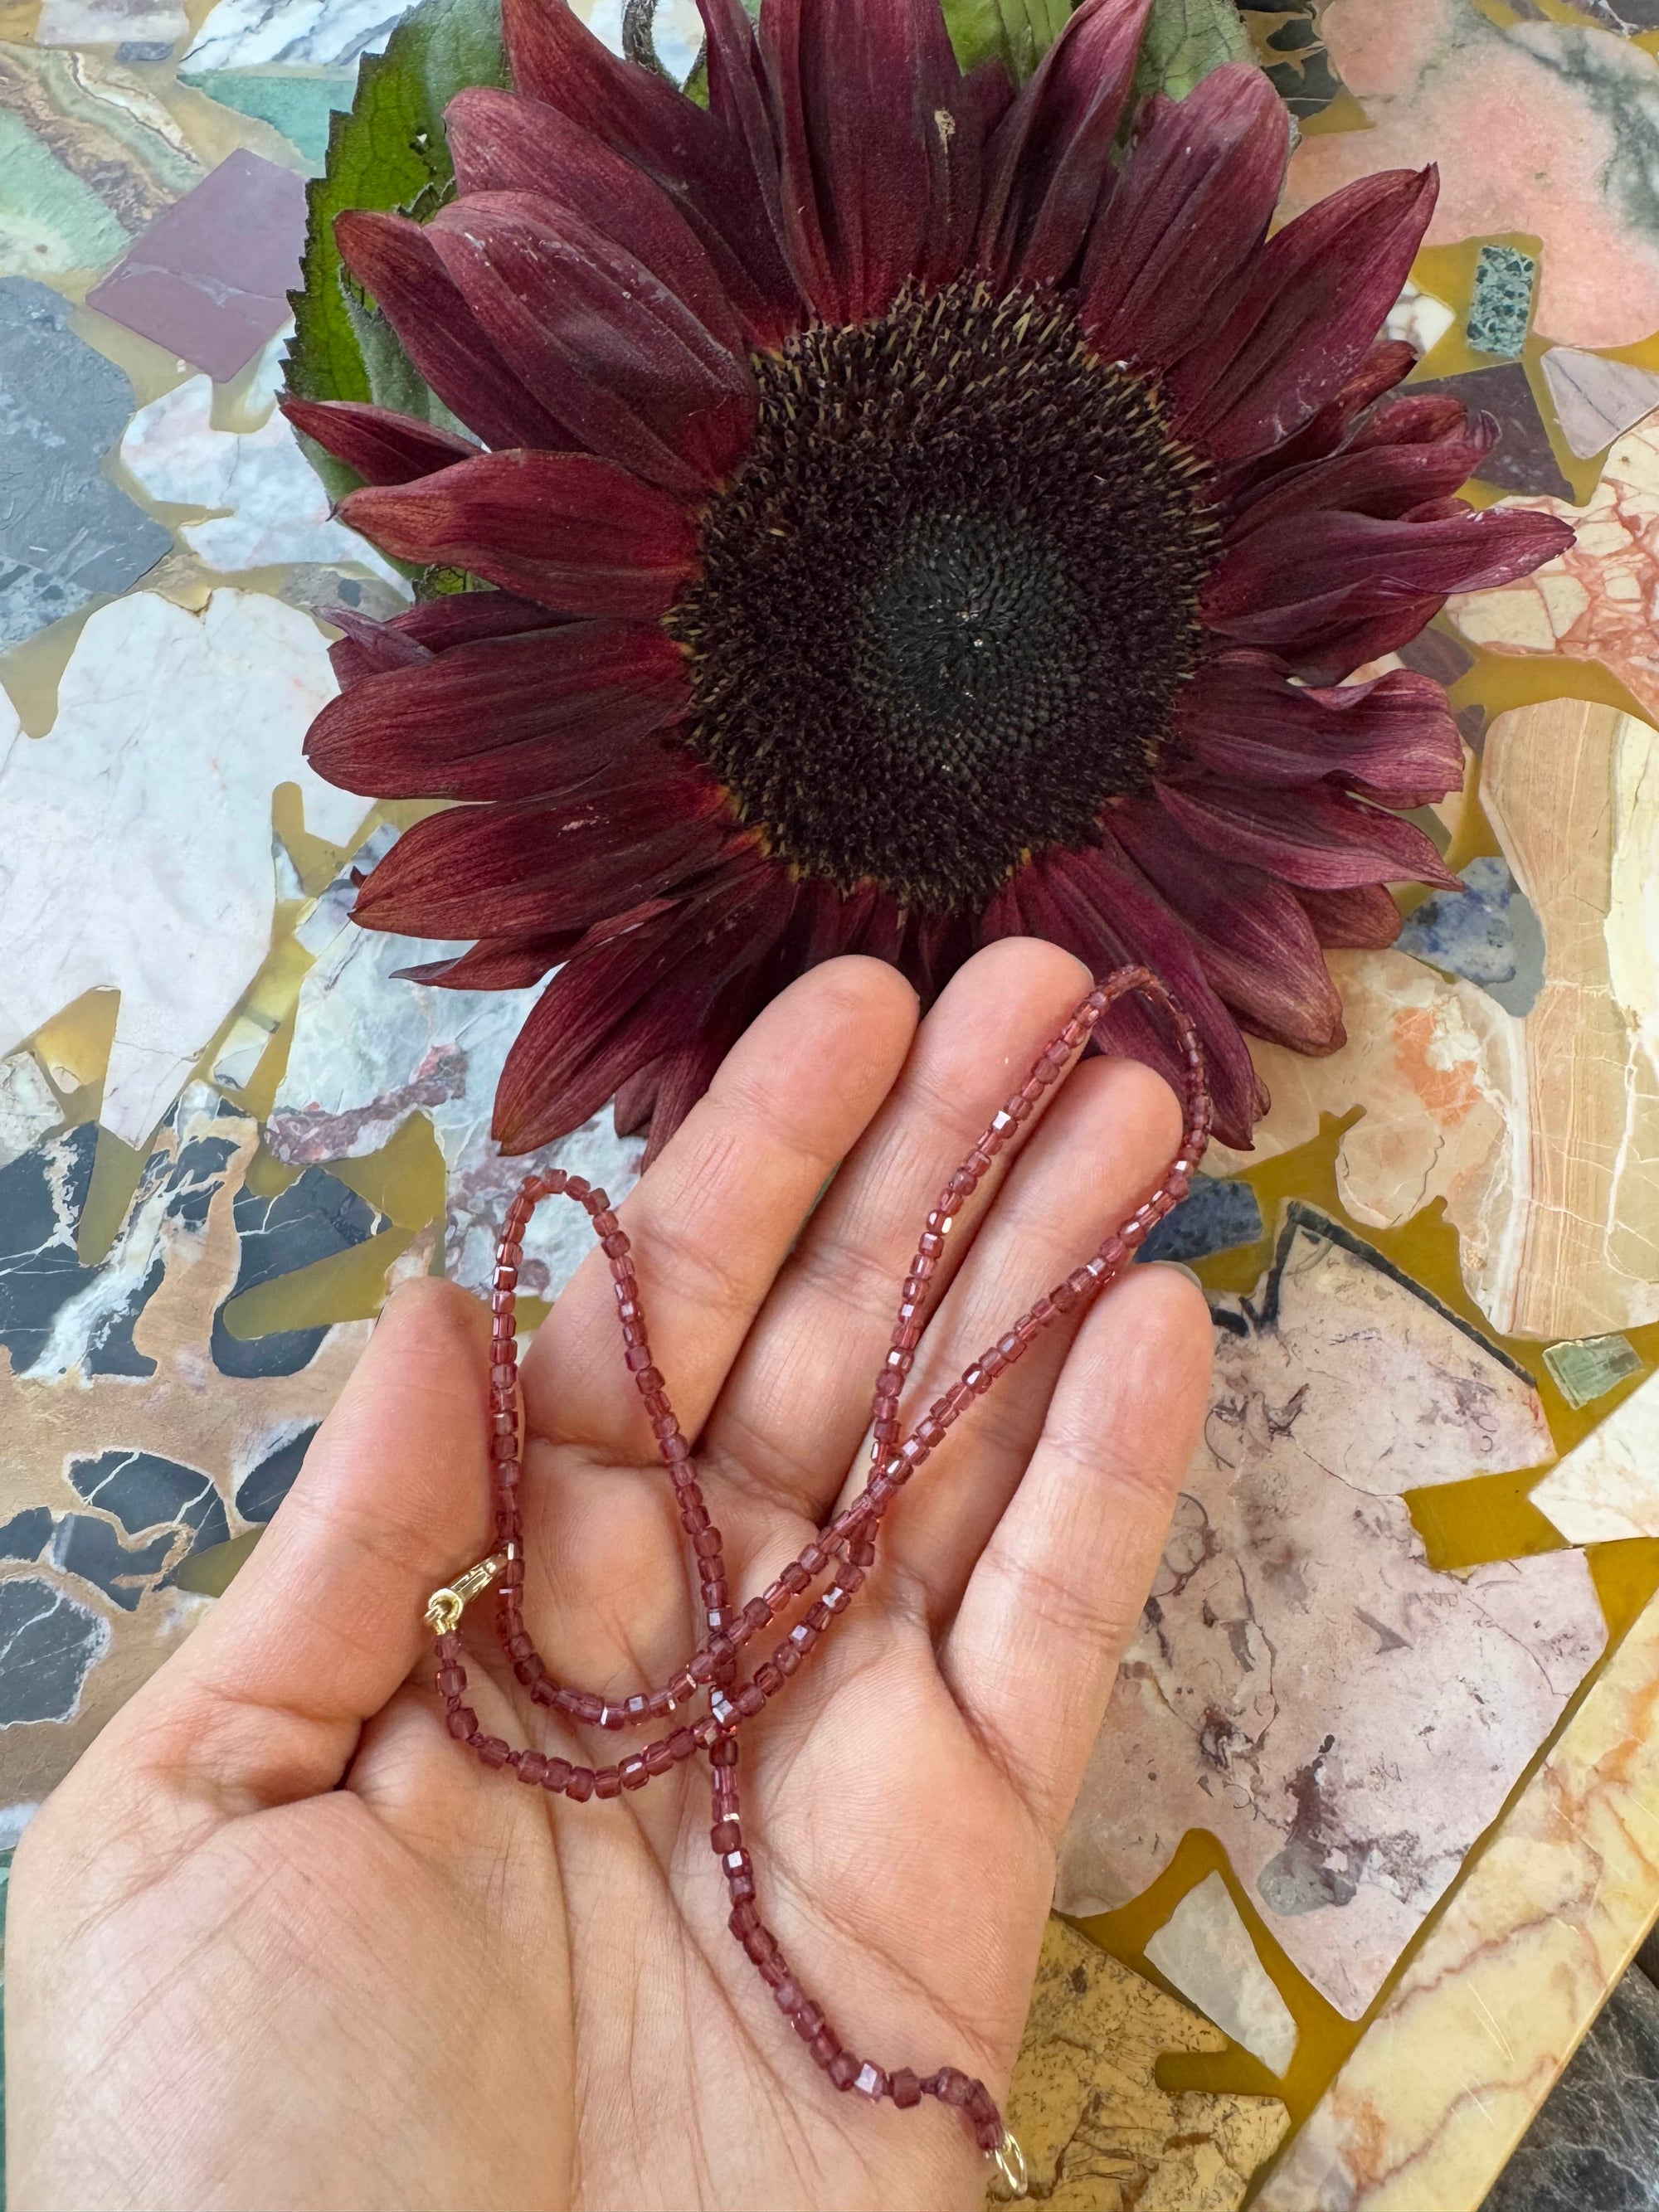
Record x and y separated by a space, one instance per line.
712 1220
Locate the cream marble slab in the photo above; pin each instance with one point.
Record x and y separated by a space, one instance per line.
1607 1487
1343 1717
1446 2079
1541 1132
138 845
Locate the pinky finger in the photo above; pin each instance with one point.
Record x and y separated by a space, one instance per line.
1055 1594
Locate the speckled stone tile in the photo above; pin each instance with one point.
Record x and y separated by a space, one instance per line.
67 534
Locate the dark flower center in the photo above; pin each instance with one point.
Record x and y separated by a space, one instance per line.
947 602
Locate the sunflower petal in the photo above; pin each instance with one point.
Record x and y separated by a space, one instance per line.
1318 839
538 866
503 142
1386 472
1334 426
494 963
1322 287
1255 945
395 260
1099 905
571 531
611 1011
1049 167
880 142
505 718
1361 915
1392 739
599 339
383 447
1180 235
706 169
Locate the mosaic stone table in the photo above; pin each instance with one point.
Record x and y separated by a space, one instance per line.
1372 1831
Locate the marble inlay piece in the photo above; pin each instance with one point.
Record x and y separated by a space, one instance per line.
210 279
1591 602
60 1316
1288 44
50 223
1608 1487
1523 459
1489 934
111 1476
137 852
1303 1684
1596 2140
316 1217
1428 2107
271 506
1502 306
104 125
1547 129
298 102
28 1106
1098 2133
245 33
369 1050
1217 1215
1537 1133
109 23
1419 317
1589 1367
1597 400
1205 1949
66 532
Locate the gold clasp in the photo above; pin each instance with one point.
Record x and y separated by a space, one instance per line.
1013 2172
445 1606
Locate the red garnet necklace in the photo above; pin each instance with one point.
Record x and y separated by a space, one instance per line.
847 1543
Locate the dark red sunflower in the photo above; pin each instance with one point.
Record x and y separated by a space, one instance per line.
913 522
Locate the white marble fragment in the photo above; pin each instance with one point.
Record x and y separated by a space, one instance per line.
1419 317
1346 1719
109 23
1205 1949
138 846
28 1106
1608 1487
1597 400
369 1050
269 504
248 33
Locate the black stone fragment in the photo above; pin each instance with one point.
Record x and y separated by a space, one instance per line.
316 1218
263 1487
48 1646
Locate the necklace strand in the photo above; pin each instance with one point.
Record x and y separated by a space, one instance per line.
848 1542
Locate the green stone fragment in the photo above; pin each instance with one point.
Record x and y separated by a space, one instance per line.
1502 306
1589 1367
50 223
297 102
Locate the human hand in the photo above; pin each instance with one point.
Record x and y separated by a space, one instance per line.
279 1941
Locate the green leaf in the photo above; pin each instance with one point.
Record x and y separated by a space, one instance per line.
389 152
1016 32
1185 40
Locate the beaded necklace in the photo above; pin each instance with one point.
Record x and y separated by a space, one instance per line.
850 1537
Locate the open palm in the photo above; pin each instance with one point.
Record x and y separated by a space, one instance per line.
279 1941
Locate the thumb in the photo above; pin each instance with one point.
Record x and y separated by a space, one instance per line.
263 1703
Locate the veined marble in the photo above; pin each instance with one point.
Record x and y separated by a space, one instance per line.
245 33
1098 2133
137 853
105 126
1538 1131
110 1476
370 1049
1597 400
1607 1487
1430 2105
1303 1685
271 506
1541 129
1592 602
